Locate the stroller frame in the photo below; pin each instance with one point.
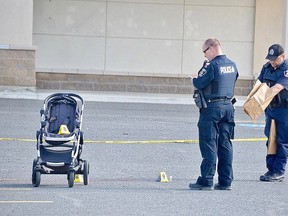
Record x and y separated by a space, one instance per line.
55 153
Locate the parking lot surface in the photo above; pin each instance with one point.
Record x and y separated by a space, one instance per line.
128 141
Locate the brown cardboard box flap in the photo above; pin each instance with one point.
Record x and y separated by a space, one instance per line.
272 143
253 108
258 102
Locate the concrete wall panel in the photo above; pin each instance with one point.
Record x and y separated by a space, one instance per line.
16 22
144 20
143 56
70 17
70 53
226 23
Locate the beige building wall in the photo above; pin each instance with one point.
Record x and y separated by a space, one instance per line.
134 45
142 38
137 38
17 54
270 28
16 22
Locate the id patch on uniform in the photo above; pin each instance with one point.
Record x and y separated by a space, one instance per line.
286 73
202 72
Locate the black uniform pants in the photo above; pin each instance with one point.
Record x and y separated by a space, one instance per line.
216 129
277 163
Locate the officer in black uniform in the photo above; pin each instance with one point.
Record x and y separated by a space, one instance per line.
275 74
216 123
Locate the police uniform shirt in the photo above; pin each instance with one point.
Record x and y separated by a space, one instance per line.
217 79
272 76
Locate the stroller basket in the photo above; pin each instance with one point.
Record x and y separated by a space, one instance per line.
55 157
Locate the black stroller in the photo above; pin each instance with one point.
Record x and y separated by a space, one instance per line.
60 139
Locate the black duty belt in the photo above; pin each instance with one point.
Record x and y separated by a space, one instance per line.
211 100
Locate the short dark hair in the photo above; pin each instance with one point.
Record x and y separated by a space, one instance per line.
211 42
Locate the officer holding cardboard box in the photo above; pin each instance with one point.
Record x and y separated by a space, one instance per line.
275 74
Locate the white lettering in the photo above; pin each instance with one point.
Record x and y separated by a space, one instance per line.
227 69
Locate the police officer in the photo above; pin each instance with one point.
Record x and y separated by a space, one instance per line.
275 74
216 121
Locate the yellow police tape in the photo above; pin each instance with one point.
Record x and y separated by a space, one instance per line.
138 141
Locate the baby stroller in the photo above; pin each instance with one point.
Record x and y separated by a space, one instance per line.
60 139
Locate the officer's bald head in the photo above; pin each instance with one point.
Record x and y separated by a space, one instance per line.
211 48
211 42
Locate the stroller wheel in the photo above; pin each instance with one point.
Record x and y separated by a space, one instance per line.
86 172
70 177
37 178
36 175
33 171
81 138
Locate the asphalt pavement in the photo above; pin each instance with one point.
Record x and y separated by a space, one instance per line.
129 139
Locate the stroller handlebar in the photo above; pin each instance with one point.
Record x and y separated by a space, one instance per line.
64 95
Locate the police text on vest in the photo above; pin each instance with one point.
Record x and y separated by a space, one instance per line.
227 69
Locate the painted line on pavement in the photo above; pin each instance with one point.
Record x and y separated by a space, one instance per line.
139 141
16 139
7 180
24 201
15 189
166 141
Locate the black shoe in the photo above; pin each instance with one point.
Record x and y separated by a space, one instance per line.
265 176
221 187
196 186
276 177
